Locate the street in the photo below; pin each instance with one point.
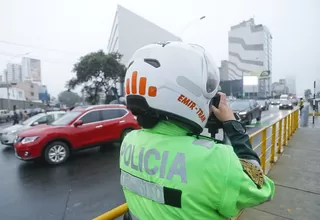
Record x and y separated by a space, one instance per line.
85 186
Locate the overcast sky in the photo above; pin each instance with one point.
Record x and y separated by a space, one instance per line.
60 31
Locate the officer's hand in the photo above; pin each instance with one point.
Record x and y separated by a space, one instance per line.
224 112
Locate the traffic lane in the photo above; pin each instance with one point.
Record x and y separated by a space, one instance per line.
266 118
82 188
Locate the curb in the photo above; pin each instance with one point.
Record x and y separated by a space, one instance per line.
316 114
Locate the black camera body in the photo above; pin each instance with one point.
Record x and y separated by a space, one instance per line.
213 123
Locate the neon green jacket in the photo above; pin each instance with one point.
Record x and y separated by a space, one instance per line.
166 174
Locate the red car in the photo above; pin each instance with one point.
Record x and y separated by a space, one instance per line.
80 128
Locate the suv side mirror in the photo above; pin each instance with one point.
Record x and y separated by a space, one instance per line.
35 123
78 123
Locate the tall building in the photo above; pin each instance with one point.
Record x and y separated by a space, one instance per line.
250 54
13 73
31 70
130 32
224 71
291 84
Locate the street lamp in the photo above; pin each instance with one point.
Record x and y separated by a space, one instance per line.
6 74
189 24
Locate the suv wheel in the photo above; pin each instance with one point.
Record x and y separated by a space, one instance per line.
249 122
56 152
259 117
124 133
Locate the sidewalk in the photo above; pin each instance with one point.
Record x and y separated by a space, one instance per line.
297 179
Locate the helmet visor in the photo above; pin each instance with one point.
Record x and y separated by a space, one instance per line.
211 74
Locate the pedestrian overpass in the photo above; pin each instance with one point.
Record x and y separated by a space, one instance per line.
290 155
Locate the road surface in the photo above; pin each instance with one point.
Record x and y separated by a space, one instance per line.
82 188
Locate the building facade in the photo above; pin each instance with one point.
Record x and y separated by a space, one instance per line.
224 71
31 70
250 54
13 73
14 94
125 39
291 84
31 90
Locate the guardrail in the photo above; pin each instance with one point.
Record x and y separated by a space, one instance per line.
269 142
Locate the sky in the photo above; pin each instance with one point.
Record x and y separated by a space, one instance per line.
60 31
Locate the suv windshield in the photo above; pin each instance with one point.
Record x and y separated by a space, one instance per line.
239 105
66 119
32 119
286 102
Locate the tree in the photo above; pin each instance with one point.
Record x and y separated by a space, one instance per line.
98 73
68 98
307 93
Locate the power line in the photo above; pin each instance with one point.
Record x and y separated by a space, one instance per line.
37 47
48 61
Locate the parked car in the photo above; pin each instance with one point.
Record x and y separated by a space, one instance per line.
5 115
247 110
285 104
79 129
264 105
8 135
275 102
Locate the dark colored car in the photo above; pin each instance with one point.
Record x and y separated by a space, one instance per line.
275 102
264 105
81 128
247 110
286 105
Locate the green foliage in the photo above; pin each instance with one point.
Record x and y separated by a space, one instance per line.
68 98
307 93
97 72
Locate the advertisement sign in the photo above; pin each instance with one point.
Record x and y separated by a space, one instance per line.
43 93
35 70
261 74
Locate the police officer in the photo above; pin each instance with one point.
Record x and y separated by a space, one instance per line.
169 171
301 104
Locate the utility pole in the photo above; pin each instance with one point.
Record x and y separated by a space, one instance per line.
314 101
8 93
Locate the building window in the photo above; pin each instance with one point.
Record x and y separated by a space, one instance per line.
31 85
32 93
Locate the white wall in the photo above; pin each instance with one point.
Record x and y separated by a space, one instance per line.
135 32
15 94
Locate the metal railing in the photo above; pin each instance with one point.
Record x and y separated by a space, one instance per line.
269 143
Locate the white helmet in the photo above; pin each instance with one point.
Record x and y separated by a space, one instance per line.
174 79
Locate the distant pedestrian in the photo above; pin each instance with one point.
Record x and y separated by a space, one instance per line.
25 115
15 117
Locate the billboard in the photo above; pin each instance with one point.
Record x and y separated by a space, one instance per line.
43 94
35 70
250 80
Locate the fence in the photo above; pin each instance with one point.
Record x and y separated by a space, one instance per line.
19 104
268 142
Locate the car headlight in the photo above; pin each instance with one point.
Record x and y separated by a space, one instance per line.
29 139
290 104
242 113
280 104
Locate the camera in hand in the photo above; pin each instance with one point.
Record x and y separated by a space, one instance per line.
213 123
